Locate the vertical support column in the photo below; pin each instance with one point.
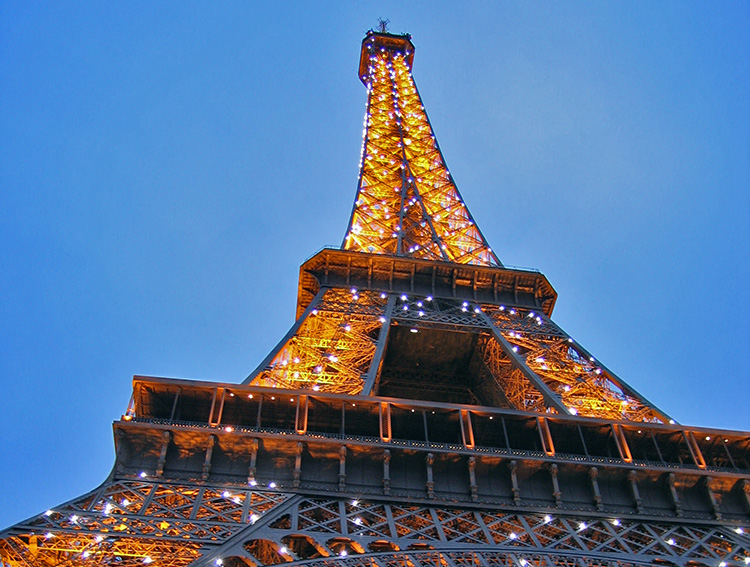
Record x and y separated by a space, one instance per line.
622 443
252 469
387 472
555 486
209 454
632 477
165 438
673 493
473 479
297 475
546 436
385 421
695 450
221 406
594 476
712 497
301 416
514 482
430 481
467 431
174 404
210 419
342 468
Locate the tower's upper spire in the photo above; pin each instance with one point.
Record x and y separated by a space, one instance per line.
407 203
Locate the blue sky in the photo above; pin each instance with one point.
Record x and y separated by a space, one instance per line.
164 171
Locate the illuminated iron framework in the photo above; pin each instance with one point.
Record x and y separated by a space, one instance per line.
423 410
407 203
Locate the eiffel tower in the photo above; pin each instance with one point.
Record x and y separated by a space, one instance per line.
423 410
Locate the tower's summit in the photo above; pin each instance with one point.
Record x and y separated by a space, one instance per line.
376 41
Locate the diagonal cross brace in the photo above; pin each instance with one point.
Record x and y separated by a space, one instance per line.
550 398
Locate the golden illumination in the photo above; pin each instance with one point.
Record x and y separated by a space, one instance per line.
333 348
585 388
407 203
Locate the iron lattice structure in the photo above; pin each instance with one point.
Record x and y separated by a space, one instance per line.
423 410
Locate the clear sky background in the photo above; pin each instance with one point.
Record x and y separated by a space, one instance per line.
164 171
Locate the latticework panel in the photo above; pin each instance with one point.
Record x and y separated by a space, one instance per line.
519 392
131 522
141 522
407 203
440 313
583 385
462 558
362 530
333 347
74 550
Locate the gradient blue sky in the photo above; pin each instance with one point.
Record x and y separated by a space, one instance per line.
165 169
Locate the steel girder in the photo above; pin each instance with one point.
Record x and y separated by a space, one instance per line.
175 524
333 347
